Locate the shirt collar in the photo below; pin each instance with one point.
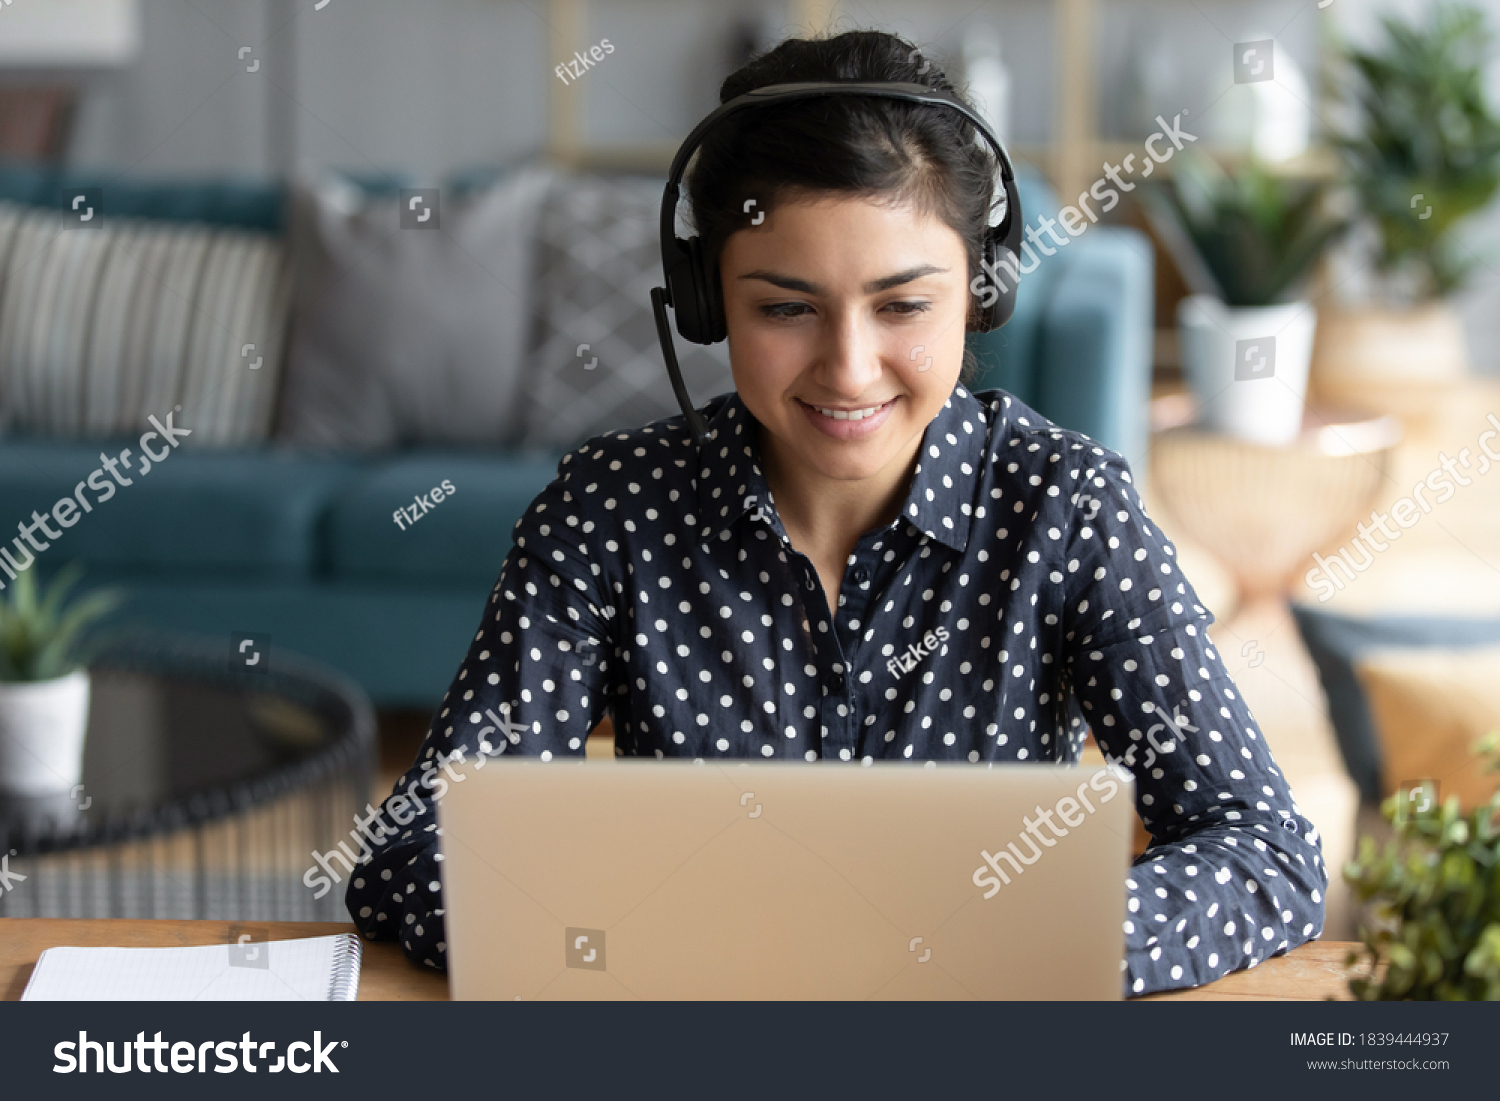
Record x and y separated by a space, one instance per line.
939 503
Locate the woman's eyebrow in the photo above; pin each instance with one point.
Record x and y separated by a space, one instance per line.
874 286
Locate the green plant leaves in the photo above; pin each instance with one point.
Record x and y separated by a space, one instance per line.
1436 891
1427 152
1258 234
45 638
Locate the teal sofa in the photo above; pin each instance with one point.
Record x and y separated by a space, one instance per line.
301 549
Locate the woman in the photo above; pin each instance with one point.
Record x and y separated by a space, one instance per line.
866 560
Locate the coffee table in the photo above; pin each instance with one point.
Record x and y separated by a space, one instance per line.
205 790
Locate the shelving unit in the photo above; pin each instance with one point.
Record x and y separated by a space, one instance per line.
1071 160
1068 160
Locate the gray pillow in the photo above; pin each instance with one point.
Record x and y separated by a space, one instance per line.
598 256
409 335
101 328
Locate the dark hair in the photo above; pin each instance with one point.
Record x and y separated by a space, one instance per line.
903 152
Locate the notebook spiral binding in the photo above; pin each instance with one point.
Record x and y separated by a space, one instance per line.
344 983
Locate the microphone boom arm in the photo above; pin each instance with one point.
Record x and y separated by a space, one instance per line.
669 353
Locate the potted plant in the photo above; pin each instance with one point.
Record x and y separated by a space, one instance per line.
1422 155
1436 886
1245 245
44 687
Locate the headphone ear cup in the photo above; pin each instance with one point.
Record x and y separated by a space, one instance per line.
1002 260
715 328
687 301
695 297
1000 257
997 313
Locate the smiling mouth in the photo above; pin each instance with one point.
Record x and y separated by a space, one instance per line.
856 414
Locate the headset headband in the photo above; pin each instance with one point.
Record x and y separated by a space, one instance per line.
690 290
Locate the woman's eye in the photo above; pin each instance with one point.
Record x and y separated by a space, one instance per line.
789 310
784 309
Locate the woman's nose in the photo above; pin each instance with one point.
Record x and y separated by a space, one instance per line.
850 355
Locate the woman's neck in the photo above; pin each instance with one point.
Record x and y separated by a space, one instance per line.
830 514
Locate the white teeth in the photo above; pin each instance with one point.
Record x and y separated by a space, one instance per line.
849 414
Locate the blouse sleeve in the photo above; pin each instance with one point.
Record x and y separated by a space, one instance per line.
1235 872
533 683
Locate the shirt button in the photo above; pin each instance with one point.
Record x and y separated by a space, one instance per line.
861 575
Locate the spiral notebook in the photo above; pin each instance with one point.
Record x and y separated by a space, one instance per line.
313 969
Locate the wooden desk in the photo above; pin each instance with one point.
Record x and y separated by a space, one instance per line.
1310 973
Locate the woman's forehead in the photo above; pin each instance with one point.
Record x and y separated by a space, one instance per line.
855 227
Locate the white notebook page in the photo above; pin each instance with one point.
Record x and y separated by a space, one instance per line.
315 969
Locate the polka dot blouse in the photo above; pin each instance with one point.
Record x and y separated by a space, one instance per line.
1021 598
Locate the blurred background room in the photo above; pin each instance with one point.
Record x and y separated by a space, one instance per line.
386 262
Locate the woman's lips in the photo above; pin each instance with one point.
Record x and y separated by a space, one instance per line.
848 429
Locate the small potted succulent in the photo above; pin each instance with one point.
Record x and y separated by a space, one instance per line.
1436 889
44 686
1245 244
1421 155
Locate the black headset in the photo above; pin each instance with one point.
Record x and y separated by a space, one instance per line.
693 290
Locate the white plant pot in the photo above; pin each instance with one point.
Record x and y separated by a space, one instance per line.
42 725
1247 366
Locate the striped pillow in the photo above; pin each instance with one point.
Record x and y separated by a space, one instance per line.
101 328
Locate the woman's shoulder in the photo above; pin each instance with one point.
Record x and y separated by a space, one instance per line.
1017 429
629 475
621 456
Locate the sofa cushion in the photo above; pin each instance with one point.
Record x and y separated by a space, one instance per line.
249 513
409 335
102 327
460 539
595 363
402 643
1095 339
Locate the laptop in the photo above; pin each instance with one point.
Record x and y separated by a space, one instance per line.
647 879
